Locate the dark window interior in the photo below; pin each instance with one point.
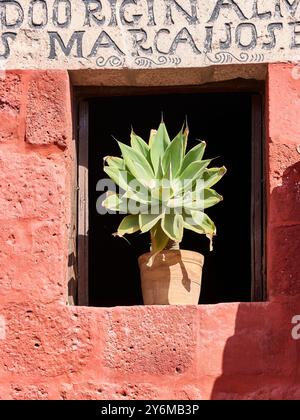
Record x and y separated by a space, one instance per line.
223 120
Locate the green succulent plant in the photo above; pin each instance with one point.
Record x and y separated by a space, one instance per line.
164 188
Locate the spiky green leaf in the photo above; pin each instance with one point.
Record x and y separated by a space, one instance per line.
192 172
159 239
152 137
130 224
174 154
194 155
160 142
114 202
121 177
161 191
172 225
143 197
211 198
193 227
213 175
202 199
147 221
115 162
199 221
137 164
138 144
185 130
159 175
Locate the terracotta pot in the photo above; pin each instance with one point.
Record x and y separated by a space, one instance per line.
173 278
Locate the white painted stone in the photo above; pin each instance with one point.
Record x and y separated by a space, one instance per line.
147 33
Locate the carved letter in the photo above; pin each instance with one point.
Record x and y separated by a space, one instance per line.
76 37
278 13
68 13
139 37
292 7
184 37
113 18
104 41
151 19
17 22
208 39
135 18
296 32
271 29
91 12
260 15
191 18
4 38
41 23
224 45
230 5
166 31
238 36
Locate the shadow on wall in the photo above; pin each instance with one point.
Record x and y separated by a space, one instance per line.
284 234
262 359
285 199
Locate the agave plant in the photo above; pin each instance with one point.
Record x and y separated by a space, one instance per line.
163 188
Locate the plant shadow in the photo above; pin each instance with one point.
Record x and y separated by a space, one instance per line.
260 359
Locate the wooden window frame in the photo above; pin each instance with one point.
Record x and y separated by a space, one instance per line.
258 175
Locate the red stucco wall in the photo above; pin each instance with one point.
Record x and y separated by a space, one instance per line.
50 350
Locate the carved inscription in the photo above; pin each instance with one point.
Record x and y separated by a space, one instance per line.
148 33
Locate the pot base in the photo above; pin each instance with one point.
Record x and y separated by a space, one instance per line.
171 278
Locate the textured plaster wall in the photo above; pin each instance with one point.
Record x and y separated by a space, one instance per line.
51 350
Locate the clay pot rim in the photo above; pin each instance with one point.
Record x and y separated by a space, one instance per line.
187 255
